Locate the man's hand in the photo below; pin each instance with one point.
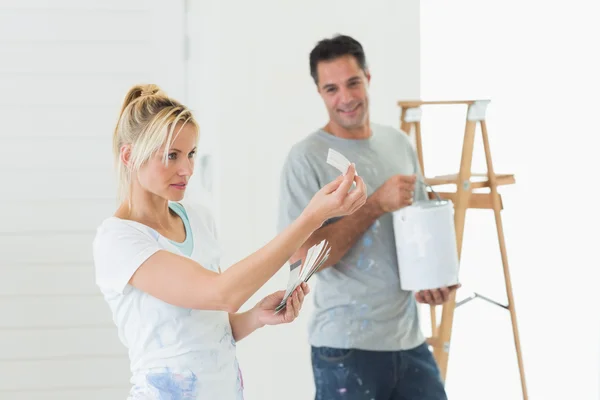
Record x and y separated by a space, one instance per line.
435 297
396 192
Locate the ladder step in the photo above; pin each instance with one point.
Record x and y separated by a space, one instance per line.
481 201
417 103
480 181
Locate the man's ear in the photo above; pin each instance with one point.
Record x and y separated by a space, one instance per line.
368 75
125 154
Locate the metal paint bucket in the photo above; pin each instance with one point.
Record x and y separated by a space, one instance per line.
426 245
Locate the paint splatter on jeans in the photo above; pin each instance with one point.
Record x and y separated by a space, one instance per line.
353 374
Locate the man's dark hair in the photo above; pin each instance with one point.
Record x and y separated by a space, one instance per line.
335 47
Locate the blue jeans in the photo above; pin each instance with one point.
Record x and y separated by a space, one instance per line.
353 374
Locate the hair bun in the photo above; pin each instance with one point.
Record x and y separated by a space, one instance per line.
149 90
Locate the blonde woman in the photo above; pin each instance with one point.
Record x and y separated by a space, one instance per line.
157 259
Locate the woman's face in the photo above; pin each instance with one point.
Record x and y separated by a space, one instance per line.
170 181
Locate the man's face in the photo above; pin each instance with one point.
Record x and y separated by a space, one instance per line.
343 86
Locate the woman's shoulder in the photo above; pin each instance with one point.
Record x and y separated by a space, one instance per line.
113 227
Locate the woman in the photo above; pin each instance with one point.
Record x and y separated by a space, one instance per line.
157 259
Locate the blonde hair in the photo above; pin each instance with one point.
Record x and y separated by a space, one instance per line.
147 121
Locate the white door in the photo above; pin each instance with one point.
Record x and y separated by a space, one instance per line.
65 66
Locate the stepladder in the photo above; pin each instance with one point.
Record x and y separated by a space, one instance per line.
472 190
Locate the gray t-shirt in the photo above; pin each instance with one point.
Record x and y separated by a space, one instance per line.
358 302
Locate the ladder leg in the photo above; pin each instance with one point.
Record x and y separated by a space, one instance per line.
434 327
511 302
463 193
402 122
419 145
404 126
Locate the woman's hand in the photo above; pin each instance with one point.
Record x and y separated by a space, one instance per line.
265 309
335 199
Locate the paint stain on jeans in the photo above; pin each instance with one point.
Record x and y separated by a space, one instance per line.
341 383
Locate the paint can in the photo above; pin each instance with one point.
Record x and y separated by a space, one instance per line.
426 245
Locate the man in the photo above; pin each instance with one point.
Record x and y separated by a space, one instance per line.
365 334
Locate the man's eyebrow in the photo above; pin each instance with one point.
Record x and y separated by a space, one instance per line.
353 79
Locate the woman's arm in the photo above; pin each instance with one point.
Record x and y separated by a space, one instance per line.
243 324
183 282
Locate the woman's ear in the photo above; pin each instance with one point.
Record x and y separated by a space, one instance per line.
125 154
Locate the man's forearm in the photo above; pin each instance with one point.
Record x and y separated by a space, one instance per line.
342 234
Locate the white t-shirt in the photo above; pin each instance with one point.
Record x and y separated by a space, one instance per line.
175 352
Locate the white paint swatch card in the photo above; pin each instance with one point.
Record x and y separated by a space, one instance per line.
338 161
293 279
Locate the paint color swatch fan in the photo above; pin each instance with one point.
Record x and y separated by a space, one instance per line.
426 245
301 272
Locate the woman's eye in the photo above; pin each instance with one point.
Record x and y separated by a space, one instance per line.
172 156
192 154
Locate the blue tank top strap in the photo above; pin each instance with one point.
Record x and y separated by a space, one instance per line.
187 246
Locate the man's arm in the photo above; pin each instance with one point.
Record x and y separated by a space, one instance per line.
343 234
299 181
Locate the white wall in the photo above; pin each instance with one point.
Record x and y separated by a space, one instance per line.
255 98
65 66
534 61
